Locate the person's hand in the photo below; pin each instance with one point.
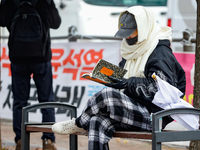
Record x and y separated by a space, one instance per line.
117 83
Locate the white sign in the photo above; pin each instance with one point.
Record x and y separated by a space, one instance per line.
69 61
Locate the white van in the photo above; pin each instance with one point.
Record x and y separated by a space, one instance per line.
181 15
100 17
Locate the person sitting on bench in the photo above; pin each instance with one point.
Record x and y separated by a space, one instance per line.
145 49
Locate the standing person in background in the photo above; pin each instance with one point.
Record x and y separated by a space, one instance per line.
145 50
22 66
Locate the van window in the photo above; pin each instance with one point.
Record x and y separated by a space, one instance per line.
127 2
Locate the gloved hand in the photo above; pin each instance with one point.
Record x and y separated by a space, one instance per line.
117 83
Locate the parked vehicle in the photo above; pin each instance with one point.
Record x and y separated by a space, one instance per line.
100 17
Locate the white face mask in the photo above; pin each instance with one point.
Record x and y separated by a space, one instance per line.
132 41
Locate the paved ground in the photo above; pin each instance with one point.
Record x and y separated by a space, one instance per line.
62 142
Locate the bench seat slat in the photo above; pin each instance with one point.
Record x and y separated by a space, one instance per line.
121 134
131 134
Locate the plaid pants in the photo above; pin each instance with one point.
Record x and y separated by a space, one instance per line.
110 110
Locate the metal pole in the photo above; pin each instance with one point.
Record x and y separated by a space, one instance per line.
188 46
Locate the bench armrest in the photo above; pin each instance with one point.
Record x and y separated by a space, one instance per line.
167 112
27 109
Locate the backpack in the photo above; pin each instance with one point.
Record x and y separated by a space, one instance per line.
27 38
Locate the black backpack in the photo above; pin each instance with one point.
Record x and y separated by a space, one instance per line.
27 37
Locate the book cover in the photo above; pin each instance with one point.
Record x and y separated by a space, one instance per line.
103 69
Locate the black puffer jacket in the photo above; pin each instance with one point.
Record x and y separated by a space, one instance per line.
50 19
164 64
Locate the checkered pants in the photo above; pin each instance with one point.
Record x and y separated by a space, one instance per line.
110 110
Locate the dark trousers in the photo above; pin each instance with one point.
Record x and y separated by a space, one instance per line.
42 76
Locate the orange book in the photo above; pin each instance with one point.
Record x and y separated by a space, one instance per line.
103 69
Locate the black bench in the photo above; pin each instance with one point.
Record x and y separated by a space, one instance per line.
156 135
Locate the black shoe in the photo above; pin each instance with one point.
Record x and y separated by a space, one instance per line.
48 145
